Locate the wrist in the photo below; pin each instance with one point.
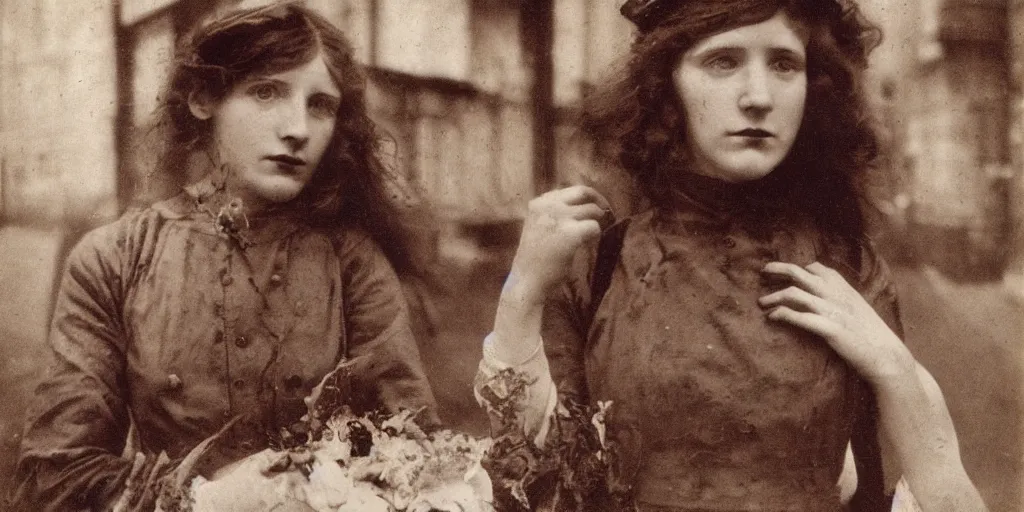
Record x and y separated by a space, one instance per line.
895 369
523 290
899 385
517 322
498 350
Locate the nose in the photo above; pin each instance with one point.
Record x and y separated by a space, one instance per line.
293 125
756 97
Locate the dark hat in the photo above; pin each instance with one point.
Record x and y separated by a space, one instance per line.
645 13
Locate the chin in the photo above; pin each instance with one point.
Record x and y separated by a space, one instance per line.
745 174
745 171
278 196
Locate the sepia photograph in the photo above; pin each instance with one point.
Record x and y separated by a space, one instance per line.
512 255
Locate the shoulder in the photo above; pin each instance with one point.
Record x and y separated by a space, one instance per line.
592 267
860 262
132 237
875 277
353 243
118 236
360 257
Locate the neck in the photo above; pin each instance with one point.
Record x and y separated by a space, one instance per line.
216 192
216 197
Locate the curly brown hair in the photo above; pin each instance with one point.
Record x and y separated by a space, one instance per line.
352 186
642 115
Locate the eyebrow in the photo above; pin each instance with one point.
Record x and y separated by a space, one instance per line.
735 48
334 98
319 90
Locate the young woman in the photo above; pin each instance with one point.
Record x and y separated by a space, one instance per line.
236 297
741 325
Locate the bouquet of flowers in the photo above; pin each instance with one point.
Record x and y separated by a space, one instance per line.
577 468
337 461
377 462
371 463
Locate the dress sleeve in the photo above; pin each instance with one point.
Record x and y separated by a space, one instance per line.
567 317
383 355
533 405
77 427
552 376
876 286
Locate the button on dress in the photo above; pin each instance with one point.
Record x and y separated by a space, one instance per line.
164 322
715 406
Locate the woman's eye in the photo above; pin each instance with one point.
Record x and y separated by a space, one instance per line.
263 92
323 106
722 63
787 66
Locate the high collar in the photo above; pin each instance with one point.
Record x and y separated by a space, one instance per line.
208 207
719 199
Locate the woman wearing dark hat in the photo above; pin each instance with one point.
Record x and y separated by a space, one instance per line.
741 324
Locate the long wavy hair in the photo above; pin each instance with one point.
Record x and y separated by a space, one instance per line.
641 115
352 185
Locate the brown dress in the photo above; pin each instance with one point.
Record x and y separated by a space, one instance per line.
163 322
720 408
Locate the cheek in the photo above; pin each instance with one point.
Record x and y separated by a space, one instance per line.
698 107
321 138
797 100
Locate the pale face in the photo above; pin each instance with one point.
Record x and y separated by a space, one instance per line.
271 131
743 91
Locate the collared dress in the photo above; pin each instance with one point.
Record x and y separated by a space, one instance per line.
165 323
716 407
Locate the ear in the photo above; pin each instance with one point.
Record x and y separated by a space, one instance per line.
201 105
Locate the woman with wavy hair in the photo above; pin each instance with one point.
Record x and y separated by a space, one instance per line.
219 310
737 337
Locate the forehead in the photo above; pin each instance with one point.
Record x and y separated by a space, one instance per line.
780 31
314 75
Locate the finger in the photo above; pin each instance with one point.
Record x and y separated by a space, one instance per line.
580 194
822 271
798 299
811 322
797 274
833 277
587 229
588 211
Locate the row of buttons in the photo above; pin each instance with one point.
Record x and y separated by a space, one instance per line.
293 382
299 309
226 279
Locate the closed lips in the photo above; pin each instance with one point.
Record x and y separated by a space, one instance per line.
287 159
753 132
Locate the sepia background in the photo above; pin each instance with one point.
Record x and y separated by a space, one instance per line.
478 98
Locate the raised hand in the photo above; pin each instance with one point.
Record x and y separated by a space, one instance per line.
821 301
557 224
912 411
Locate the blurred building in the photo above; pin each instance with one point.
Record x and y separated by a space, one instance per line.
1015 264
948 77
473 93
476 95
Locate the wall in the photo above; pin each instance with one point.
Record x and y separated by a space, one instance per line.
1014 278
58 84
57 161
